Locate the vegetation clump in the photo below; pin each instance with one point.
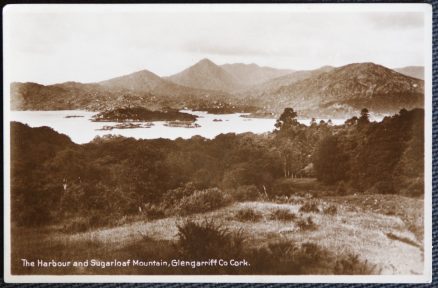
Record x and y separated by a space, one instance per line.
207 239
331 210
282 215
248 215
310 207
203 201
351 264
306 224
245 193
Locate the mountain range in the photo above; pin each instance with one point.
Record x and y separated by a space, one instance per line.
234 87
412 71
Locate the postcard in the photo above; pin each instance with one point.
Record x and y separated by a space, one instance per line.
218 143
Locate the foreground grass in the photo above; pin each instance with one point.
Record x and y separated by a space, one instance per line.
357 231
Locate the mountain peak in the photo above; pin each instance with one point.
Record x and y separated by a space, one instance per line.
205 75
142 80
366 69
206 61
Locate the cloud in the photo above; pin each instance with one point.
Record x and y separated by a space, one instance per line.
90 46
226 49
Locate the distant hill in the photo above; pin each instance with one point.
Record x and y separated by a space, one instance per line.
144 81
252 74
285 80
206 75
412 71
142 89
206 86
344 90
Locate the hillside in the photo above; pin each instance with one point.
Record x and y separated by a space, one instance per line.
291 78
252 74
206 75
412 71
346 89
324 92
143 89
142 81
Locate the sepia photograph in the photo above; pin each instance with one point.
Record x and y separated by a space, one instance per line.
217 143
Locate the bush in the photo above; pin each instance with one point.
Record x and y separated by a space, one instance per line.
309 207
331 210
203 201
311 255
153 211
208 240
172 197
306 224
282 215
352 265
283 188
245 193
248 215
288 258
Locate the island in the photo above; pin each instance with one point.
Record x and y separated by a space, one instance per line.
182 124
140 114
262 115
224 108
128 125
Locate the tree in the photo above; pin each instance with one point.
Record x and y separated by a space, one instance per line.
352 121
287 120
293 155
330 161
364 116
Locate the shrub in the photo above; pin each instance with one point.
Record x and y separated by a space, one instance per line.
208 240
246 193
283 188
309 207
248 215
311 255
286 257
153 211
282 215
172 197
331 210
352 265
306 224
203 201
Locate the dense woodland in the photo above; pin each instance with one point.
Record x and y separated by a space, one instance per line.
53 179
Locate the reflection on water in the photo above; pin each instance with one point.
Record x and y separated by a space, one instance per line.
77 125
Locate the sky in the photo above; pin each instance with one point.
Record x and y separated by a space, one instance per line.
56 44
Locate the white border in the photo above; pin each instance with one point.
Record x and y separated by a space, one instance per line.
9 10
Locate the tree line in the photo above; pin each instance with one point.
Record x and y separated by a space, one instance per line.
53 178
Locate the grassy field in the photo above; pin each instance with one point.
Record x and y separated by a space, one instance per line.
383 231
